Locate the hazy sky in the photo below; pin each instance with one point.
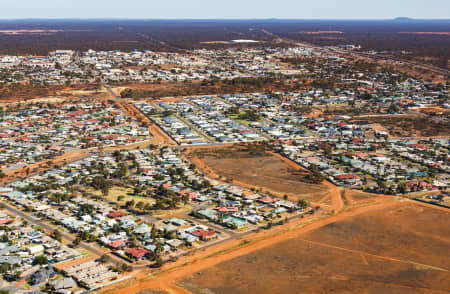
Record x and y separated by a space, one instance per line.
224 8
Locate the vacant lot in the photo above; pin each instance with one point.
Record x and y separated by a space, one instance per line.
410 126
402 249
18 92
257 167
359 195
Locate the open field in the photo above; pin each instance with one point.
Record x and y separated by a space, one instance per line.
126 193
260 169
357 195
206 87
410 126
39 93
363 253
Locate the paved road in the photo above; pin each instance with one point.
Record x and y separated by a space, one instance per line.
50 229
267 137
111 92
189 124
91 248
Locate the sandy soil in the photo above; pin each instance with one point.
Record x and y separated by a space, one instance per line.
259 170
76 261
359 253
411 126
23 93
203 260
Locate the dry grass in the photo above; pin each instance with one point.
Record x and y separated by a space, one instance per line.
127 194
261 169
402 249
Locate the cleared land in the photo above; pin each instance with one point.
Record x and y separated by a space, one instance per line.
410 126
10 93
400 249
255 167
359 195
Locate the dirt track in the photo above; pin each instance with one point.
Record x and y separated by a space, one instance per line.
138 116
356 253
34 167
68 157
184 267
203 260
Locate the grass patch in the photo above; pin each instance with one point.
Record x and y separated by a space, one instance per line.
126 193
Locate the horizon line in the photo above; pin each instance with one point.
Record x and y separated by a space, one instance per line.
225 18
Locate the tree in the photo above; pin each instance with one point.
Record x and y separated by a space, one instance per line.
122 170
4 268
105 191
140 205
40 260
104 258
130 204
302 203
76 241
250 115
57 235
121 267
402 188
158 262
16 275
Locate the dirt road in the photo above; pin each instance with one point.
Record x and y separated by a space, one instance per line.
336 199
41 165
172 273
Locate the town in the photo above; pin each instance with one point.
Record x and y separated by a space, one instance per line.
99 186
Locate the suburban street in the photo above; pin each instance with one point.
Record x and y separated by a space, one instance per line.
93 249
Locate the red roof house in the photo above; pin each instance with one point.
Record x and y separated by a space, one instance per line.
114 214
117 243
204 234
137 252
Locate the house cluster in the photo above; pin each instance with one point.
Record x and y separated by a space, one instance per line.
67 66
216 124
87 272
376 164
30 256
83 198
71 203
199 120
37 132
287 115
164 114
240 209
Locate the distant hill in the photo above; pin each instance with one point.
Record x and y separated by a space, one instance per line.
403 18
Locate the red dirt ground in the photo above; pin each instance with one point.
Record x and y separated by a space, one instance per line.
260 170
397 249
